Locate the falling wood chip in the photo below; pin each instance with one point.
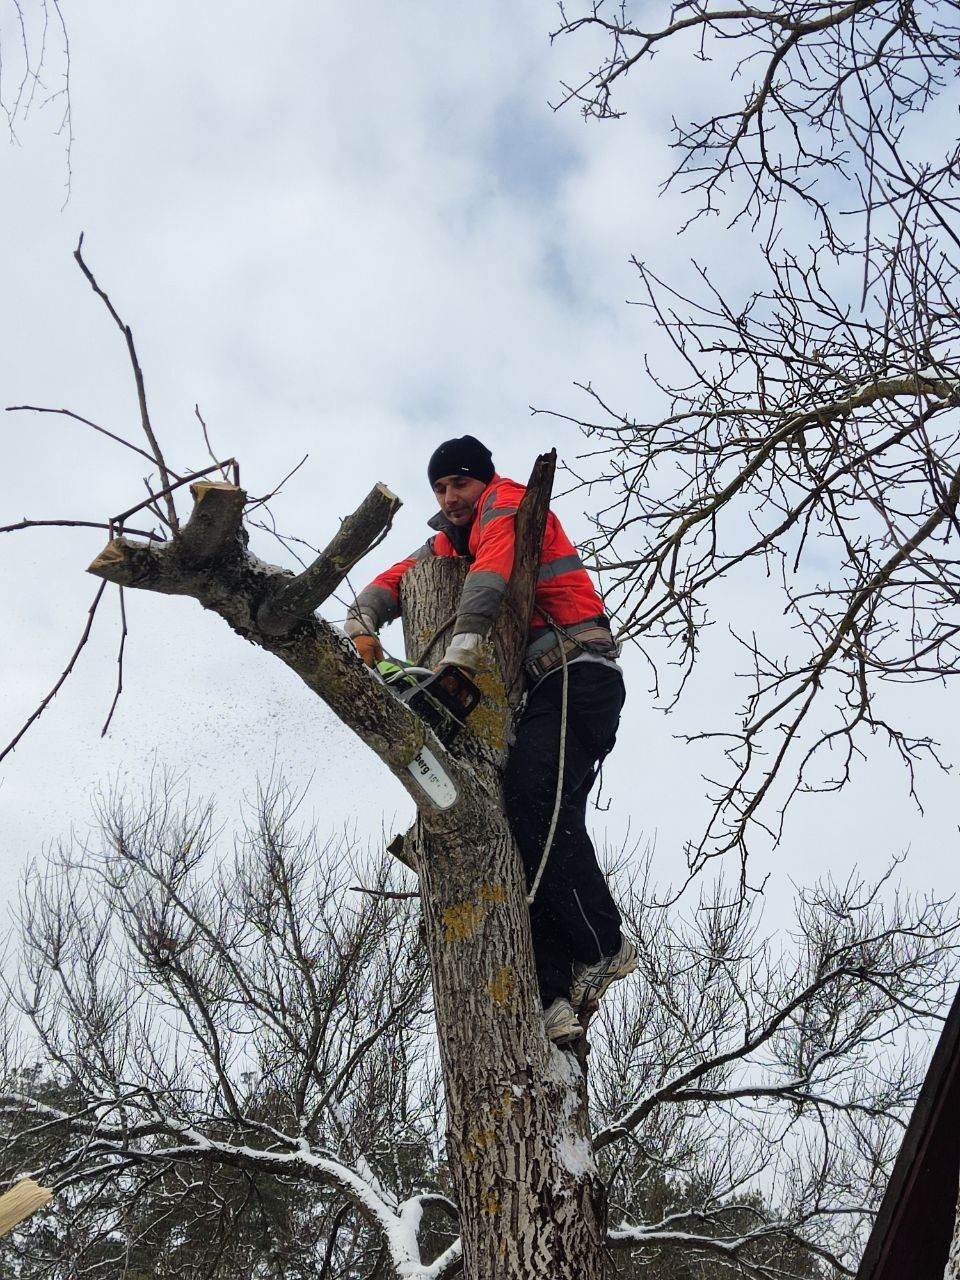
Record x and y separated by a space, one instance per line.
20 1201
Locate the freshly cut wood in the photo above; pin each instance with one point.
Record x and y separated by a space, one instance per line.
24 1198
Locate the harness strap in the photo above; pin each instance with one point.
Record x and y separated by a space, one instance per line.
592 636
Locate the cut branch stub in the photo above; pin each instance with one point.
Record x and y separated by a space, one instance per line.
297 598
214 527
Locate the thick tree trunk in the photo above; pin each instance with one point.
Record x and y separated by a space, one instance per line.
518 1145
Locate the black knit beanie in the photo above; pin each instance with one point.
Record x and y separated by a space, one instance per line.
465 456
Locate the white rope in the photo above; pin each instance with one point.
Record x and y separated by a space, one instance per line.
563 751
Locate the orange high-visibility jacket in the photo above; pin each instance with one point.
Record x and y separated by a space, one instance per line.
564 591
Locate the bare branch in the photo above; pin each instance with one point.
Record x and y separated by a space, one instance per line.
66 672
157 455
123 641
74 524
68 413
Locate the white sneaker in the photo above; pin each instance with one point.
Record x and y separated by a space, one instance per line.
562 1023
590 981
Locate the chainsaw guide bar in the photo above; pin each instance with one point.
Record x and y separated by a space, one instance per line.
431 779
442 700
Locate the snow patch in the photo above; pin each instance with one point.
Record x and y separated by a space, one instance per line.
439 1267
573 1148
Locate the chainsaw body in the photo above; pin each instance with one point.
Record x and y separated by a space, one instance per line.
442 699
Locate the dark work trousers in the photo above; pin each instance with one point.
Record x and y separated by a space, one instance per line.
573 916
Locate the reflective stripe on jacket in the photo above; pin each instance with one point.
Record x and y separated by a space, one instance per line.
564 591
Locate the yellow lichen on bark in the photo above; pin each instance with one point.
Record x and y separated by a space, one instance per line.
462 920
503 985
493 893
491 1202
489 720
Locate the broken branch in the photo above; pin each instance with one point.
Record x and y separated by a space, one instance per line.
513 620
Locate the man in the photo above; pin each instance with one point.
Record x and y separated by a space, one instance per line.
578 946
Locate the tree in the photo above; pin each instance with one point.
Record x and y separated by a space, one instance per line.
810 423
517 1105
239 1070
828 391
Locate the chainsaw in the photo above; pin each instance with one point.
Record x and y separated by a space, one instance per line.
442 699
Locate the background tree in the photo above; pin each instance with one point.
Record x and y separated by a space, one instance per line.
810 429
240 1072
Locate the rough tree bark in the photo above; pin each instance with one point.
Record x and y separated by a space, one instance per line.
517 1139
519 1150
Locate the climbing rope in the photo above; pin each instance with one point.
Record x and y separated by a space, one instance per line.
447 622
563 751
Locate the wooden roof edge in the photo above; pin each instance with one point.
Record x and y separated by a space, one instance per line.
944 1071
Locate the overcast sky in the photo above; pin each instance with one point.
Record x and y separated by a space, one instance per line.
347 235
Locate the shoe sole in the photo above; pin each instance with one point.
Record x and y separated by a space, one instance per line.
566 1031
570 1037
591 996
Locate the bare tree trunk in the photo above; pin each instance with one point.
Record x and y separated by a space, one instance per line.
531 1206
518 1144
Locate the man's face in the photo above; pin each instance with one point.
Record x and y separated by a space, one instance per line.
457 496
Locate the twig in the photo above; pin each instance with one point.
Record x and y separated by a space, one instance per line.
141 390
196 475
285 540
152 507
68 413
383 893
206 439
57 687
258 502
123 641
75 524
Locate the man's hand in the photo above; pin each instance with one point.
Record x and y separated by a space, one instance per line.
369 648
464 651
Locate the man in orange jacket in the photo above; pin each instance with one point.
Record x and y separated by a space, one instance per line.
578 946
